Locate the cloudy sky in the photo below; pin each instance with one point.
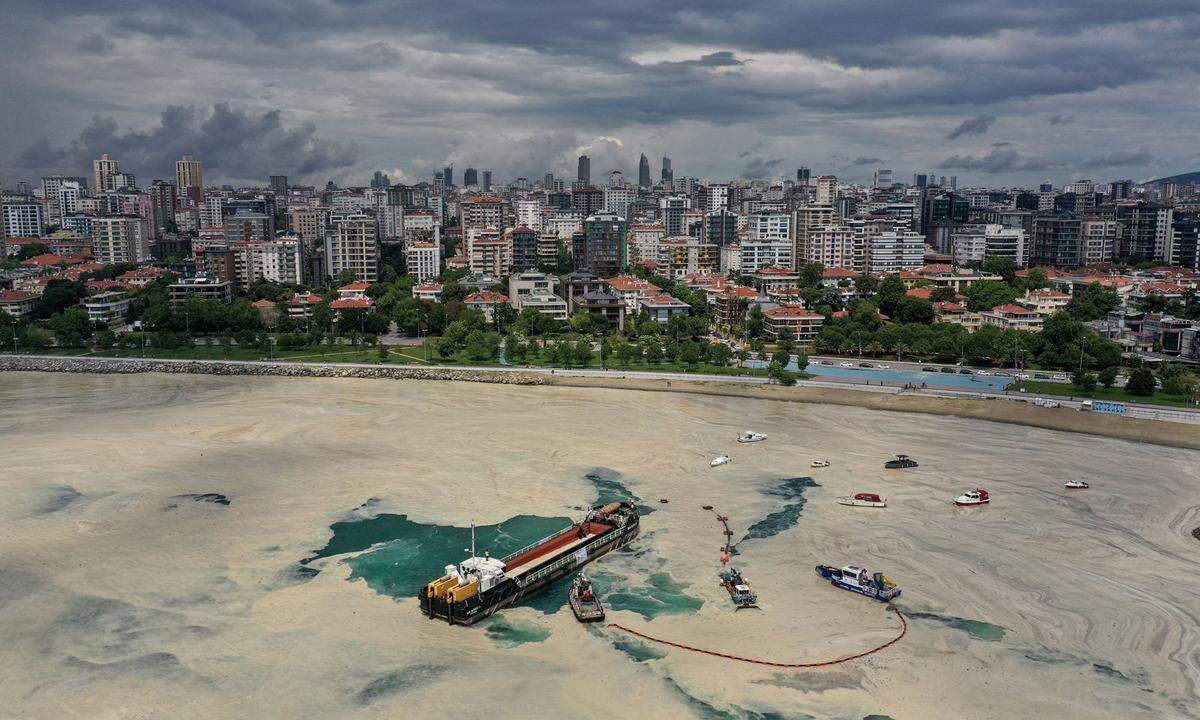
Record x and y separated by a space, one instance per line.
995 92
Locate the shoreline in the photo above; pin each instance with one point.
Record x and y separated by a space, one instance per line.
1171 434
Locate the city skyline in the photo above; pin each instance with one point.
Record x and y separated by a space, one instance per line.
996 96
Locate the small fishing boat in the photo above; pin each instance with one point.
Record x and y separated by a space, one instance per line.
973 497
863 500
583 600
719 460
1076 485
739 589
900 462
820 463
857 579
750 436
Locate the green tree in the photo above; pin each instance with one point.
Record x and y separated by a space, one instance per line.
867 285
801 360
914 310
1180 383
654 352
780 374
1084 381
719 354
891 290
1005 267
71 328
988 294
1141 382
810 275
383 353
1108 376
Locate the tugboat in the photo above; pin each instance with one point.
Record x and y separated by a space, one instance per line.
1076 485
583 600
901 462
973 497
856 579
739 589
819 463
719 460
863 500
479 586
750 436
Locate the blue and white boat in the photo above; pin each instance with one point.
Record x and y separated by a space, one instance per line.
857 579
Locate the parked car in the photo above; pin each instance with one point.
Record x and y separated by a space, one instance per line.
865 365
825 362
1060 376
1022 376
948 370
849 365
884 367
928 369
982 372
1041 376
966 371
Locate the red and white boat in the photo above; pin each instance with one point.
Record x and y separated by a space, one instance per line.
863 500
1076 485
973 497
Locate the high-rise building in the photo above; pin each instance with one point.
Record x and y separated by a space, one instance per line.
163 200
1056 241
895 251
667 173
242 226
643 172
600 248
671 210
803 175
975 243
583 171
1185 249
471 177
189 178
920 180
448 175
380 179
1099 237
279 186
24 219
120 239
1120 189
353 245
883 178
485 183
587 200
524 249
101 169
481 212
826 190
423 261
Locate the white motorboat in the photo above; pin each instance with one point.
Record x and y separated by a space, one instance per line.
1076 485
819 463
750 436
973 497
719 460
863 500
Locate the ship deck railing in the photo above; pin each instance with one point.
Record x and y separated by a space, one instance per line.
560 563
534 544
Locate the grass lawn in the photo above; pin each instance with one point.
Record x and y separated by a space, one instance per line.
1100 393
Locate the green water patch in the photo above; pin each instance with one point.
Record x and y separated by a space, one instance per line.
1112 673
709 711
210 498
659 594
610 489
507 632
405 555
975 628
878 717
398 681
636 649
791 492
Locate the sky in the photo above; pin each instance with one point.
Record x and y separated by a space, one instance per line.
999 93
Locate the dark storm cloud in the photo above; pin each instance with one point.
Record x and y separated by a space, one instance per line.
999 160
972 126
414 82
1120 158
759 169
232 143
864 160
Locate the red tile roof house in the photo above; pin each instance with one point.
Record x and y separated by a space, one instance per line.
18 303
486 301
300 305
804 325
1016 317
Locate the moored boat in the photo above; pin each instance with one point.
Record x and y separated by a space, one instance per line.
750 436
973 497
719 460
819 464
857 579
583 600
900 462
1076 485
739 589
479 586
863 500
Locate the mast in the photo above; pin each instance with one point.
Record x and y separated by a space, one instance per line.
472 538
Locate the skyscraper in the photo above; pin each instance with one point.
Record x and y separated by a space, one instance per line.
471 177
279 186
826 189
803 175
101 169
644 172
486 182
189 178
380 179
584 172
667 173
448 175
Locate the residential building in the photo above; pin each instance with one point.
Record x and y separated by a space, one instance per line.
687 255
631 289
205 287
551 305
600 247
481 212
110 307
353 245
643 242
248 227
1045 302
428 291
189 178
671 210
524 242
488 251
770 280
608 306
803 325
808 218
486 301
617 200
895 251
753 255
23 219
1013 317
307 222
826 190
120 239
1099 237
528 213
661 308
101 170
280 260
423 261
1056 241
18 303
974 243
